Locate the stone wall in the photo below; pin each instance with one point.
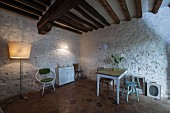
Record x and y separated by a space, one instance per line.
143 42
47 51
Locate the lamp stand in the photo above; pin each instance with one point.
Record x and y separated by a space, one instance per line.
21 96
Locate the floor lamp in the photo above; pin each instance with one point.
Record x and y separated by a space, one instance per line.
19 50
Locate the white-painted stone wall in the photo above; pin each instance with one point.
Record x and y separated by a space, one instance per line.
144 43
47 51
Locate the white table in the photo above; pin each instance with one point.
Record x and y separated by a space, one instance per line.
116 75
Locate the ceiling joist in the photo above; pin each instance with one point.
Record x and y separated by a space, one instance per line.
57 9
110 11
75 17
157 5
20 6
72 21
44 2
88 17
95 13
125 9
26 14
67 28
32 4
139 8
70 25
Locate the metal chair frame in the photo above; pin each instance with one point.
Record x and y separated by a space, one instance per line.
52 82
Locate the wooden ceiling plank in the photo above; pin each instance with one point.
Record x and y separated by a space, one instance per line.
20 12
72 21
157 5
95 13
110 11
125 9
88 17
71 15
44 2
56 10
138 8
67 28
32 4
69 24
20 6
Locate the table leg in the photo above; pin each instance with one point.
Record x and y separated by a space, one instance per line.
98 85
118 88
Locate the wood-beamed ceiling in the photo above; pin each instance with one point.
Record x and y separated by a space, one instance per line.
78 15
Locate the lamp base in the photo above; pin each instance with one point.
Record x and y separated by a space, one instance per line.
19 97
22 97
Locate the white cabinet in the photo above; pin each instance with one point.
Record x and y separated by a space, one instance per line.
64 75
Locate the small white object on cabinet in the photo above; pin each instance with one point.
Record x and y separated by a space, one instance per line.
64 75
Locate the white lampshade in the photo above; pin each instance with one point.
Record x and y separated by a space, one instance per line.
19 50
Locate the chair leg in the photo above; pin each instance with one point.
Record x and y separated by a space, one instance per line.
136 93
108 89
81 74
53 86
102 83
123 90
75 77
43 89
127 93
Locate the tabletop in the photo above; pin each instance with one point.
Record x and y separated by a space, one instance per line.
110 72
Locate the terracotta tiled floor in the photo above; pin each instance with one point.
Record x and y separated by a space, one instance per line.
80 97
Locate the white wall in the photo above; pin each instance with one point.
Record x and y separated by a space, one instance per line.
46 52
144 43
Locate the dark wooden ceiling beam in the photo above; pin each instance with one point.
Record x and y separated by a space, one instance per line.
73 16
20 6
70 25
88 17
95 13
44 2
67 28
32 4
72 21
20 12
46 28
138 8
110 11
125 9
157 5
56 10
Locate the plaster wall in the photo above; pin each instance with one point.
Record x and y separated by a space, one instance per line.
143 42
48 51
